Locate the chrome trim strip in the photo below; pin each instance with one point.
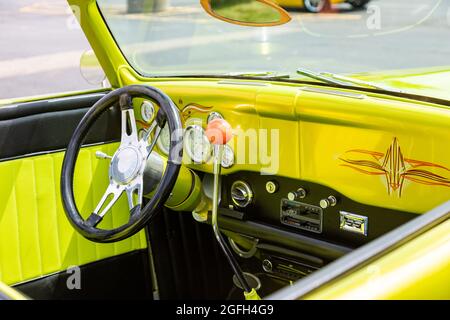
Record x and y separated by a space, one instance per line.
244 83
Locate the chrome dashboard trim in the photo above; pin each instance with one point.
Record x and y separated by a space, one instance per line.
334 92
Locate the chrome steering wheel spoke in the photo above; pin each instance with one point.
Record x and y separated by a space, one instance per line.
113 190
126 170
134 193
149 146
129 129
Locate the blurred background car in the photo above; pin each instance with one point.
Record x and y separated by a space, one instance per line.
316 6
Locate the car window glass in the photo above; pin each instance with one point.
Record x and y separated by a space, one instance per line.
41 44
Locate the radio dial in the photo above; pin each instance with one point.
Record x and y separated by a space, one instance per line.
331 201
299 194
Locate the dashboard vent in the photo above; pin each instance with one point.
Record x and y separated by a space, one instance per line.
241 194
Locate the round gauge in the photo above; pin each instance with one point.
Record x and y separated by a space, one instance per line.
214 115
163 142
147 111
196 144
227 157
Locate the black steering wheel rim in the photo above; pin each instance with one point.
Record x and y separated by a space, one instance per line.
139 217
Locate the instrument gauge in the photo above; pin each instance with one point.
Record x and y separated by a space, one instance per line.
196 144
214 115
147 111
227 157
163 141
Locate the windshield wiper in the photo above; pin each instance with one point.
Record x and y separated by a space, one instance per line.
320 77
360 83
263 75
331 78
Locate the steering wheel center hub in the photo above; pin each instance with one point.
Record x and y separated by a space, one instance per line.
125 165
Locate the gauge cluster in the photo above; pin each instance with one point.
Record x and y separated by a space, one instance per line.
147 111
163 141
195 142
227 157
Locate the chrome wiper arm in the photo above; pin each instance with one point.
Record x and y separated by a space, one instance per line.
340 80
359 82
320 77
263 75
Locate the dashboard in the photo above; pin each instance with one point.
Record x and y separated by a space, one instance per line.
307 208
321 196
344 142
289 204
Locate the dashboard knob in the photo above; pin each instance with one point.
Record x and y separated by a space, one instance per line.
299 194
219 131
272 186
102 155
328 202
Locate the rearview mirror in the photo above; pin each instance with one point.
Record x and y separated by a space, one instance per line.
255 13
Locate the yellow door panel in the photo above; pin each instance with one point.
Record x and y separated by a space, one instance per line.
36 238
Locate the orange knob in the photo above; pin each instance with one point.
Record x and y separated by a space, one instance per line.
219 131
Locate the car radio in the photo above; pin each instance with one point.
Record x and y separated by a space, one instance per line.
301 215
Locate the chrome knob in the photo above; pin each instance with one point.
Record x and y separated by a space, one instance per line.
102 155
331 201
267 265
299 194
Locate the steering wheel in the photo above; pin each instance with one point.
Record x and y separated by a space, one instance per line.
126 170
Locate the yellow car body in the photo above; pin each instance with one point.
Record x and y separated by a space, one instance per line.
346 140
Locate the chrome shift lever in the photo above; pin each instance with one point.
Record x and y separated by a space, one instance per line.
219 133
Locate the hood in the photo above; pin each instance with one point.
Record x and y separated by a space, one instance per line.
432 82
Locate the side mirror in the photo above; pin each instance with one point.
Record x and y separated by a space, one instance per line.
91 69
254 13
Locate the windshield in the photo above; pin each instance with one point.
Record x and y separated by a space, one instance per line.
176 37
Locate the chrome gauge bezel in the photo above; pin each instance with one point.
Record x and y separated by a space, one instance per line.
227 157
214 115
200 132
146 115
163 148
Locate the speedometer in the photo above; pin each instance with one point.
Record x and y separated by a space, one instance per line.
147 111
196 144
163 141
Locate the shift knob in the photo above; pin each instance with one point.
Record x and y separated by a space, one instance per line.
219 132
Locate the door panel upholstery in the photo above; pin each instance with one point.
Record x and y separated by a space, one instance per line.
36 238
47 125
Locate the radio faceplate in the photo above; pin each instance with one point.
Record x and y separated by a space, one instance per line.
301 215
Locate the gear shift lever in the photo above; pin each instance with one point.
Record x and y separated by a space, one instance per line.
219 133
